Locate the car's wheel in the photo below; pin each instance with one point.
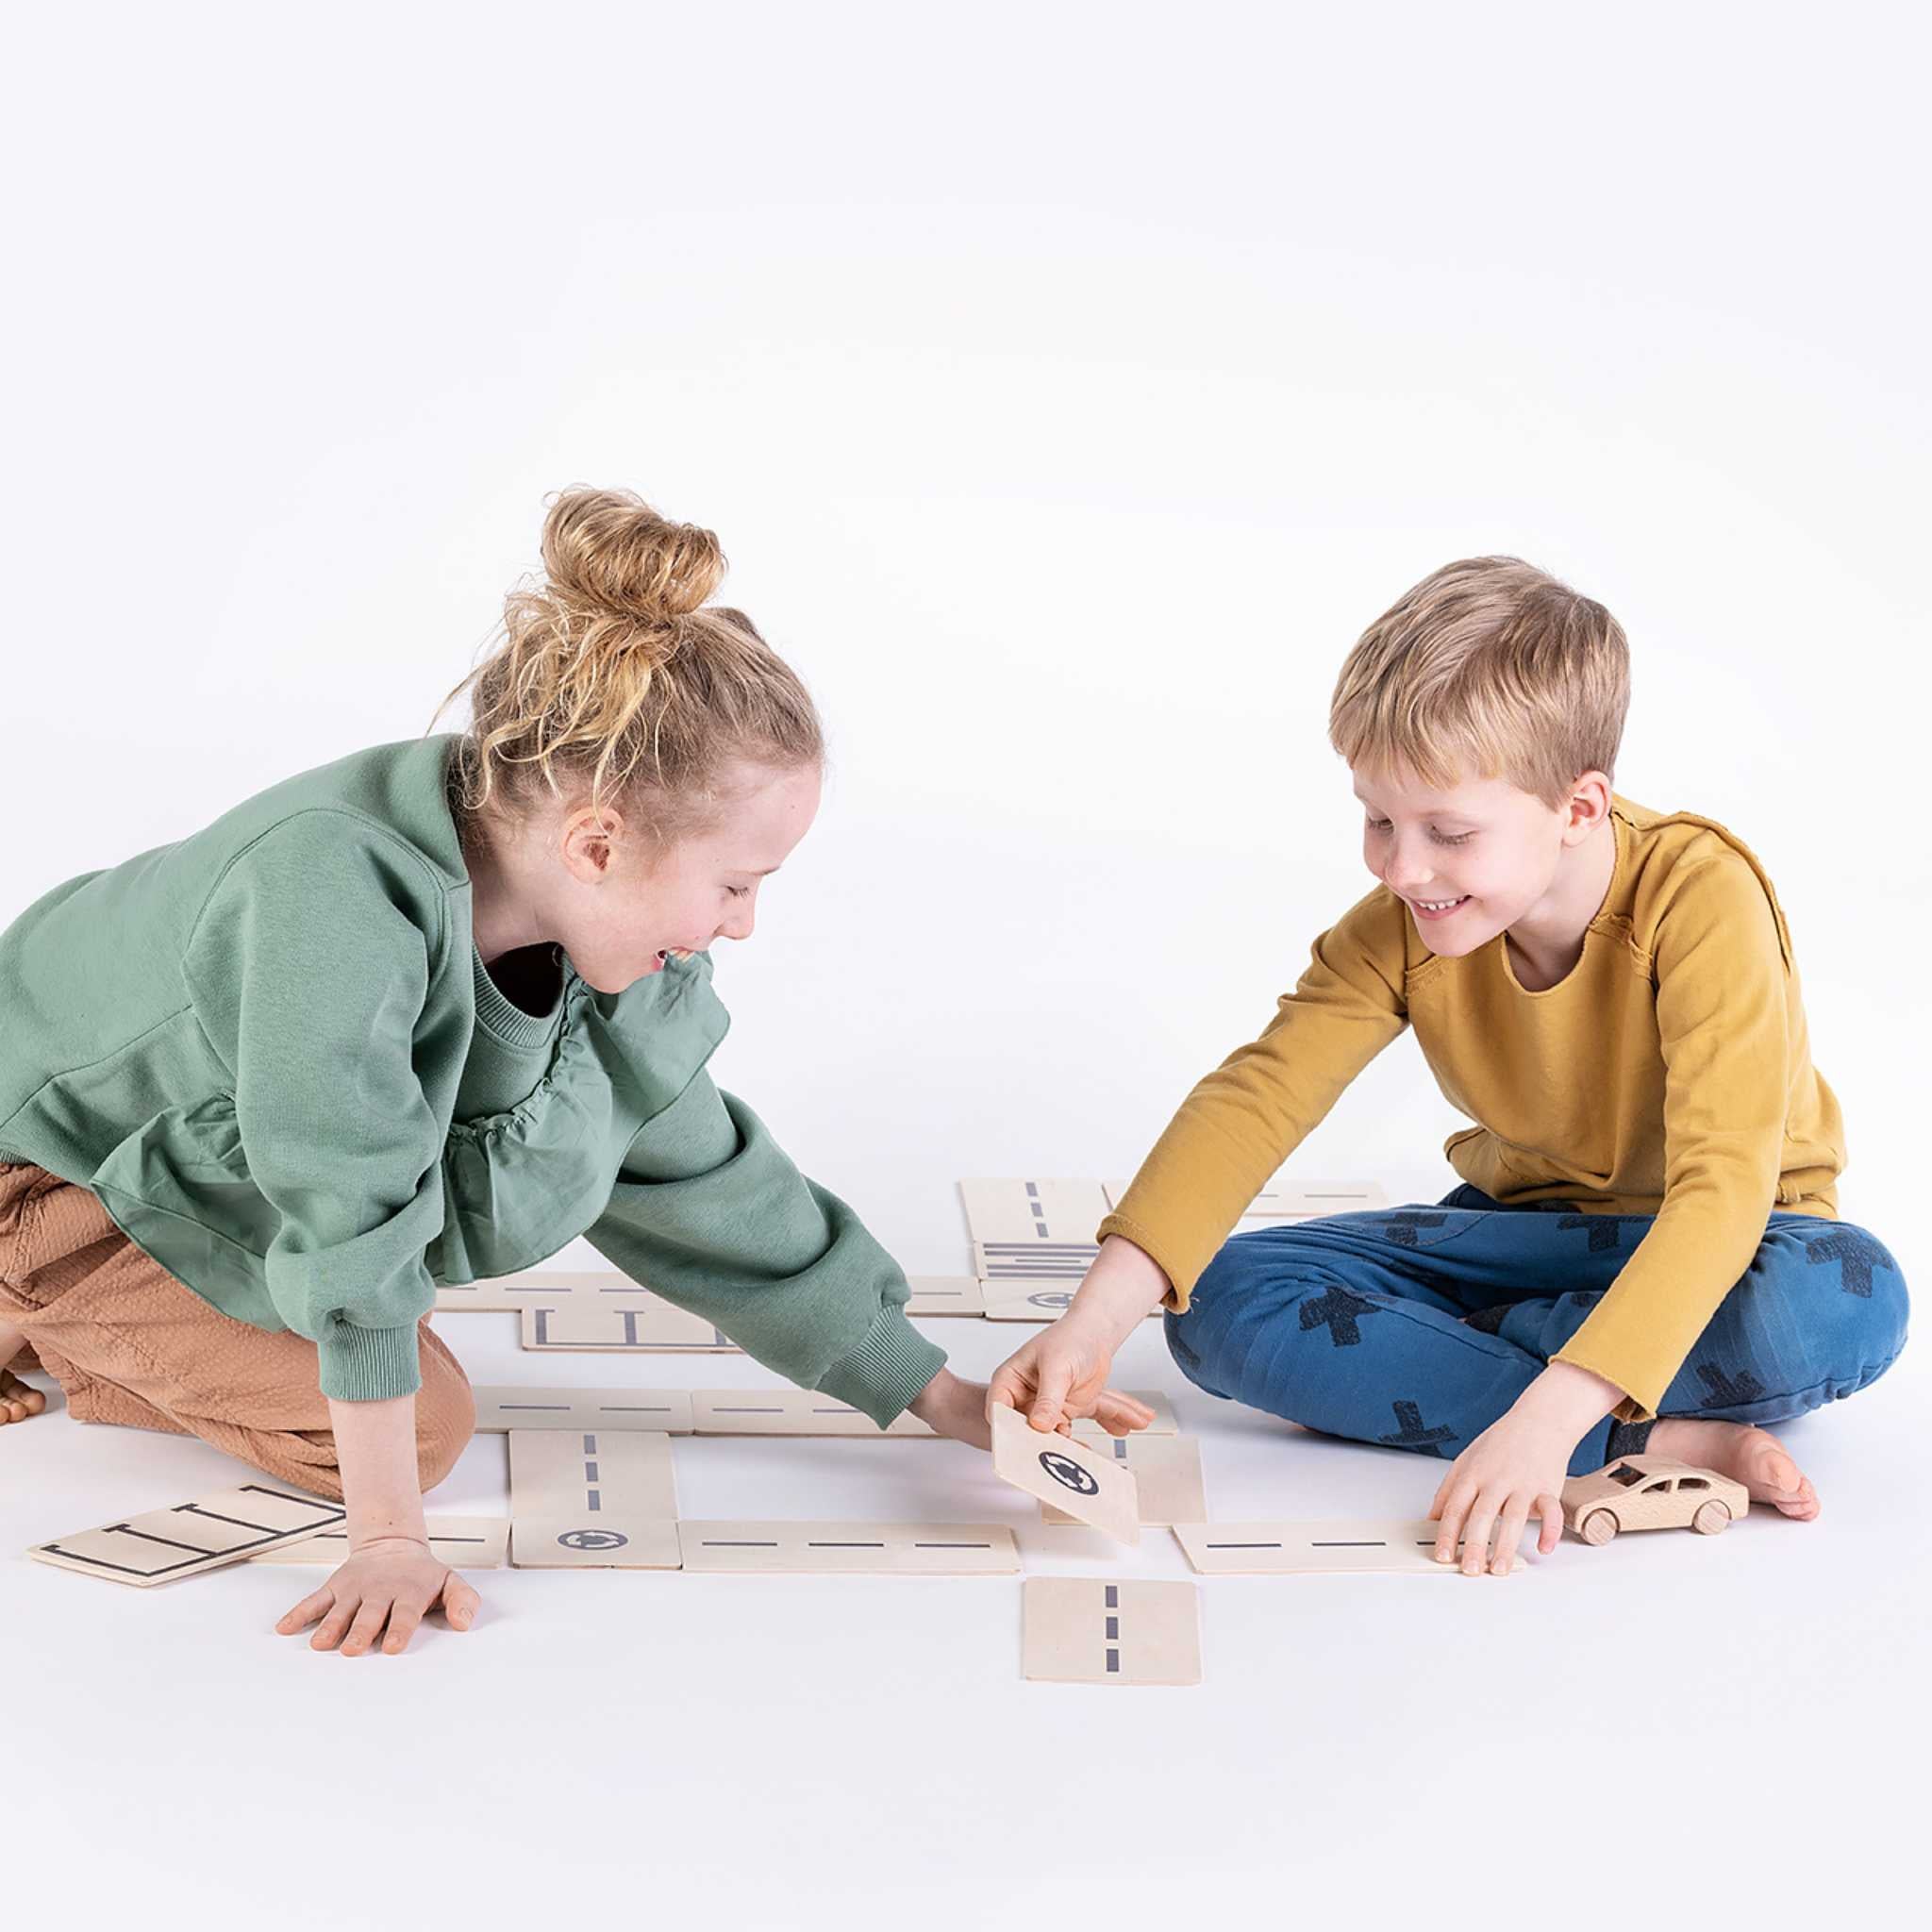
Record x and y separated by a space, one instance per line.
1712 1517
1599 1526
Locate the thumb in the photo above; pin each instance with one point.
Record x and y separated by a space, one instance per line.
1008 1387
1055 1379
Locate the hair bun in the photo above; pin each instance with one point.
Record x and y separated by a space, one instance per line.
610 547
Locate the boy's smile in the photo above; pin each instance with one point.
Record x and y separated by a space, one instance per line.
1485 856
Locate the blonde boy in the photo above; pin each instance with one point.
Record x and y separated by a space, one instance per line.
1645 1251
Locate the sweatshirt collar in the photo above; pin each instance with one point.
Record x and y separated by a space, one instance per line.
508 1020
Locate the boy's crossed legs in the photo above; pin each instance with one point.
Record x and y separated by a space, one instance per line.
1419 1327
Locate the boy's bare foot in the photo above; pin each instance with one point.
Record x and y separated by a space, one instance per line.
1750 1456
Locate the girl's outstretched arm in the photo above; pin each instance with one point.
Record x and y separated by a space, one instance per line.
390 1581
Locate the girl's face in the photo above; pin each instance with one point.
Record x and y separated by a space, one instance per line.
632 902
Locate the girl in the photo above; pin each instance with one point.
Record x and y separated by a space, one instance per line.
424 1015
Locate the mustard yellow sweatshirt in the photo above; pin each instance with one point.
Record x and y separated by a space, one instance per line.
1668 1073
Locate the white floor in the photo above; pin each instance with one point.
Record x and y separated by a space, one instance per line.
1661 1730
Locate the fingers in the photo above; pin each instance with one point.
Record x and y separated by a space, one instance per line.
334 1626
366 1630
459 1602
1450 1505
1551 1510
311 1606
1509 1534
402 1620
1119 1413
1476 1534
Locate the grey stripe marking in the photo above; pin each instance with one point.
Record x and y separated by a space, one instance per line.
1114 1596
1113 1626
1030 1248
1113 1662
1367 1543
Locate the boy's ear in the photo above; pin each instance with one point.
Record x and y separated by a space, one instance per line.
1589 806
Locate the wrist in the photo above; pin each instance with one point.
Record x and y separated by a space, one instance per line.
397 1522
1569 1397
1122 1285
933 1396
387 1542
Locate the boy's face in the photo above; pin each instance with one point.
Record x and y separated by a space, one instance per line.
1468 862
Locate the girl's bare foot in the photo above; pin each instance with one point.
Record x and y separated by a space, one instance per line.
17 1401
1750 1456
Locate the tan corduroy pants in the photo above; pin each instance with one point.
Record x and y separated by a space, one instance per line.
129 1344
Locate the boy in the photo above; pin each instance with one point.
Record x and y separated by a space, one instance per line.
1645 1253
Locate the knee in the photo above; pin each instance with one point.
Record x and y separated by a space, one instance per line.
1258 1286
1222 1282
1844 1283
445 1412
1876 1292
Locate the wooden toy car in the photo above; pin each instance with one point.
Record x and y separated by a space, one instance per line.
1651 1493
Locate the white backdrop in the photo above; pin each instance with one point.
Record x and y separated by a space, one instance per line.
1067 400
1069 385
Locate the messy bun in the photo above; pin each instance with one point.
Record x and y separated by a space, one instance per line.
608 547
616 677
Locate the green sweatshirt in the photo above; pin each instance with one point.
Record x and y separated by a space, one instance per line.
272 1051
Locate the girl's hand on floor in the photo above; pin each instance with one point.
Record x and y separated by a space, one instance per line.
388 1584
1516 1467
1060 1376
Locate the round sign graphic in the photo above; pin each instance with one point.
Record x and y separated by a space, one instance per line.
1050 1298
1063 1469
592 1540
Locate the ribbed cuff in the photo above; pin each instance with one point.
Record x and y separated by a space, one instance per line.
881 1376
369 1364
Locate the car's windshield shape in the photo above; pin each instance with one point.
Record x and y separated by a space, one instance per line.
1627 1475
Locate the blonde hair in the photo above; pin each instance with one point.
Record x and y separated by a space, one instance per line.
1488 667
615 677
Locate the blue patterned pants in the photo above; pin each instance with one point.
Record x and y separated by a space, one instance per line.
1418 1328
